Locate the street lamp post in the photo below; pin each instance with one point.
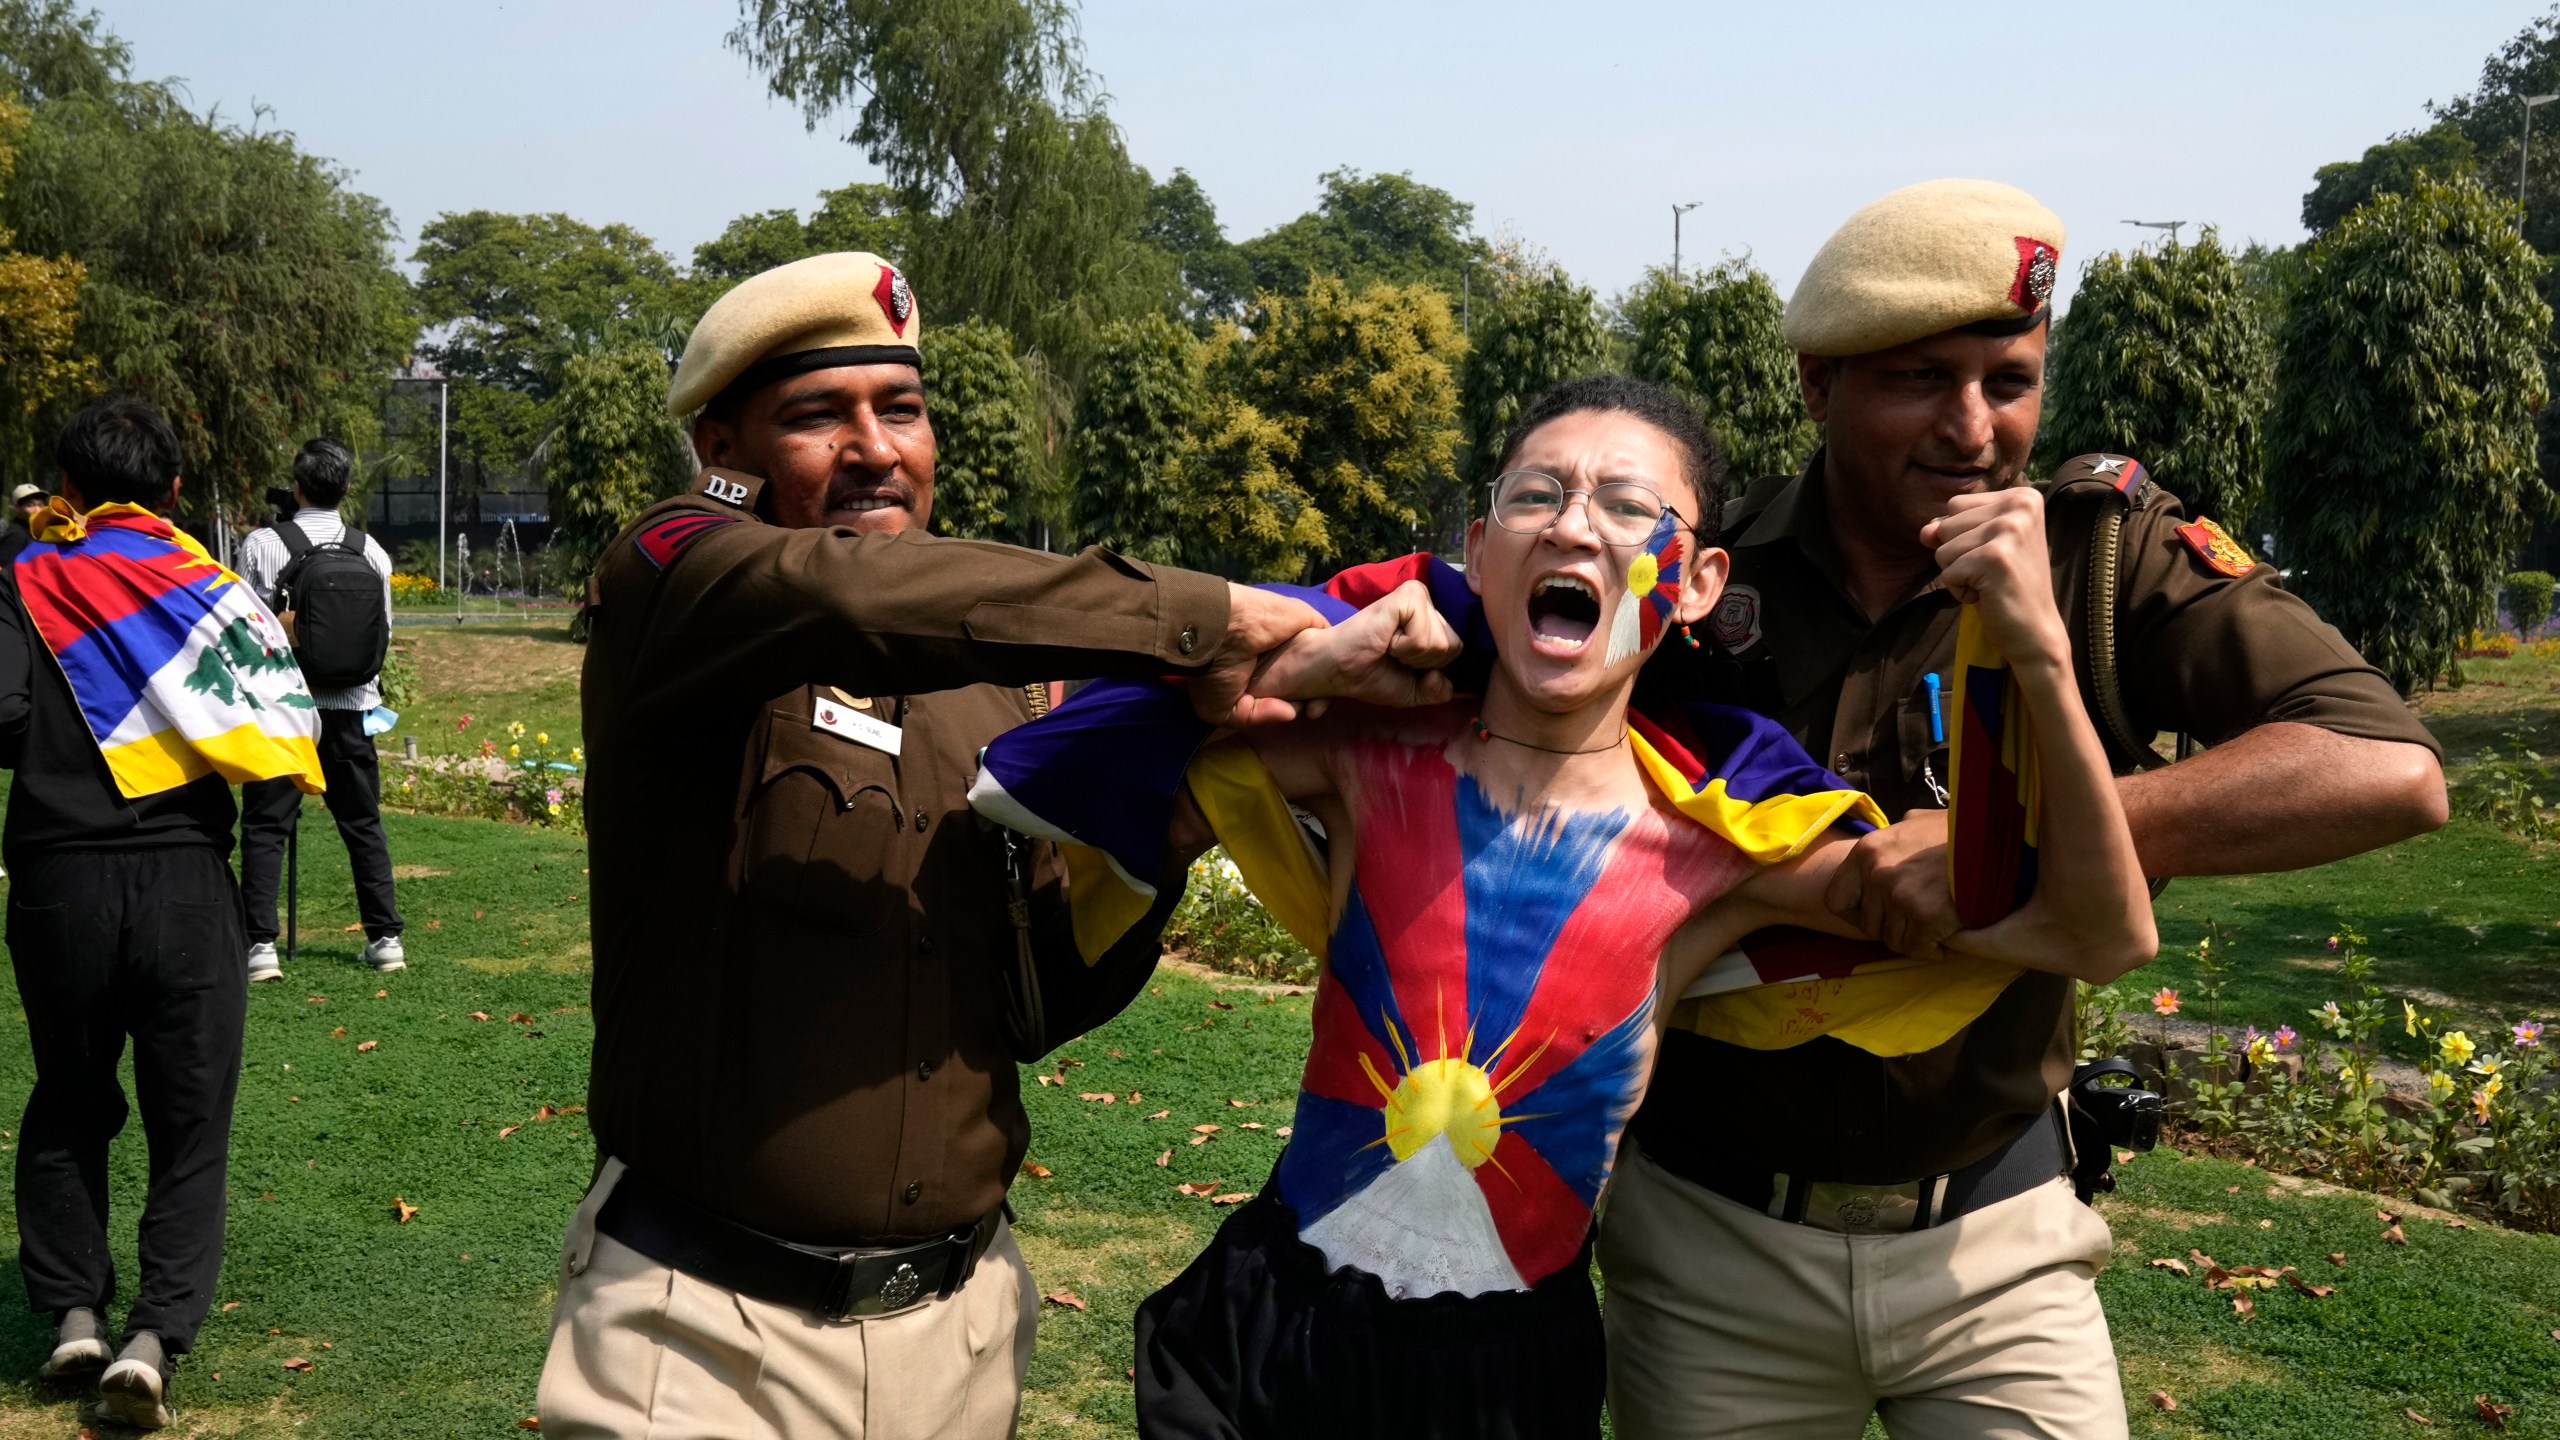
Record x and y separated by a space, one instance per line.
2172 226
2525 147
1677 211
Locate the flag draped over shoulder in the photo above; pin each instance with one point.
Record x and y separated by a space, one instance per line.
1100 775
177 667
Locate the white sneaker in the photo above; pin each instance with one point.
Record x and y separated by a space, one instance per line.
386 955
263 964
135 1389
79 1346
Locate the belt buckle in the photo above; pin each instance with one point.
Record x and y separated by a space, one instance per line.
1862 1209
847 1300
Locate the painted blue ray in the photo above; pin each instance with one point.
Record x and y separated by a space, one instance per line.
1359 966
1582 1107
1333 1154
1525 876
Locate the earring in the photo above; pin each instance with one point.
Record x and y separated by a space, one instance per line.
1688 639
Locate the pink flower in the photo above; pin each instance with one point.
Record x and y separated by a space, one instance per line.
2284 1038
2528 1035
2166 1002
2333 944
488 748
462 724
551 797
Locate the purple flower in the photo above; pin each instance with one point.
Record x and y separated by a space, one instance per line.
2284 1038
2528 1035
551 797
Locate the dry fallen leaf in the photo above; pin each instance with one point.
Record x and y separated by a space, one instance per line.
1237 1198
1067 1298
2338 1258
1047 1079
545 1113
363 1046
2163 1400
2316 1292
519 1018
2242 1305
1252 1125
2170 1264
1199 1187
1164 1160
230 1305
2414 1415
534 1422
2385 1216
338 1034
1036 1170
297 1363
1199 1139
2125 1157
1244 1104
479 1014
1220 1005
1205 1129
351 929
1283 1132
2492 1415
2230 1189
2266 1224
1135 1097
1105 1096
315 999
2394 1236
2204 1260
509 1130
435 924
381 994
2458 1223
403 1209
1159 1114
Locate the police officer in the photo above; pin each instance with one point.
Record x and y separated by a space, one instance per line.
1762 1281
806 947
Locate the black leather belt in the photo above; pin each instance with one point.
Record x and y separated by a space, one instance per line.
2038 1155
841 1284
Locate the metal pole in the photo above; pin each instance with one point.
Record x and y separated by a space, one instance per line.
443 452
2524 149
1675 242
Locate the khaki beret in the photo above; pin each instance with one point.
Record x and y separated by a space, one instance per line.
25 493
847 308
1930 257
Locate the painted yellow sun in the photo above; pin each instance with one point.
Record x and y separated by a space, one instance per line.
1448 1097
1643 575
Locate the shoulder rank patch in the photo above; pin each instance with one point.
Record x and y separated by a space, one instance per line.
2215 547
667 537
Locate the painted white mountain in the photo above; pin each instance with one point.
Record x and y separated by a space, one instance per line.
1422 1228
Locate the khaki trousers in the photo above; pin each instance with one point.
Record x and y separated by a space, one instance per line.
1725 1322
641 1350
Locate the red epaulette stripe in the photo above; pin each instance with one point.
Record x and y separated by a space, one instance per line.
2132 477
666 537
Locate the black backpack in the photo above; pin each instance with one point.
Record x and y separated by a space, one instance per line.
330 600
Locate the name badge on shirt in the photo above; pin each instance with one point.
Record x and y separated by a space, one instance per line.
838 718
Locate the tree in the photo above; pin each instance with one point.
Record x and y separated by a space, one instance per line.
1714 335
39 313
2389 168
1140 410
2400 450
1183 223
851 217
2165 357
613 453
1251 518
989 464
2492 118
1370 229
1024 206
1364 386
1536 327
235 281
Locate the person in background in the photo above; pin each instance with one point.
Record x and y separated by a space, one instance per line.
139 681
270 810
25 504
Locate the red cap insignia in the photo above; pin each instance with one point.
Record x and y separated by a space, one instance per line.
896 300
2034 283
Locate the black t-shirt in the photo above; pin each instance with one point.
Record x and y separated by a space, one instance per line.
61 796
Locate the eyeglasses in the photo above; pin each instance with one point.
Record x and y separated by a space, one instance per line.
1620 512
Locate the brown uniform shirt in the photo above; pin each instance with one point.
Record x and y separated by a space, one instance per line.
2199 651
800 939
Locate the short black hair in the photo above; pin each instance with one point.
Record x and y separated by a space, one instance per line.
1702 459
117 448
321 470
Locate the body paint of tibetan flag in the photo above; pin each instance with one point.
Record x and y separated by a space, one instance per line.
177 667
1653 591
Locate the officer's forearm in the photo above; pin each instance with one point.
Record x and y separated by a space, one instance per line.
2281 797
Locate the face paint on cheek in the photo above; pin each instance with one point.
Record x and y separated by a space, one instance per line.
1653 592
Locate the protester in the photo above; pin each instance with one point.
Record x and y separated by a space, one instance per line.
810 960
1768 1271
290 564
138 681
1513 880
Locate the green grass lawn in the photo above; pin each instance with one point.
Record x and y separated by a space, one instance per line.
495 675
408 1337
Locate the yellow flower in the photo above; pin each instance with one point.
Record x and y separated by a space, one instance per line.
2261 1050
577 755
555 809
2439 1082
515 727
2456 1047
512 750
2409 1018
541 738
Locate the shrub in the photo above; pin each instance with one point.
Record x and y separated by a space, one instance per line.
2528 597
519 777
1227 929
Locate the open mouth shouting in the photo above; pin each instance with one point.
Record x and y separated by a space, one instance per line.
1564 613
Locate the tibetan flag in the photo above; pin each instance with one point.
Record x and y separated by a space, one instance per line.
177 667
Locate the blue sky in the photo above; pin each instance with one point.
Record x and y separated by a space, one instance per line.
1574 126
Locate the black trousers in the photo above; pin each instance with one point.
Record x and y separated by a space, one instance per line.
1259 1340
108 944
269 809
